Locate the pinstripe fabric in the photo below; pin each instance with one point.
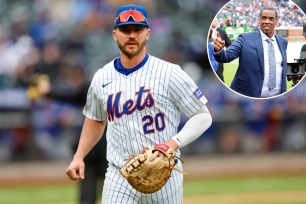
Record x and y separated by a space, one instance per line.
142 109
117 190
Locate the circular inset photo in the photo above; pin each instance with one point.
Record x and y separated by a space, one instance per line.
258 48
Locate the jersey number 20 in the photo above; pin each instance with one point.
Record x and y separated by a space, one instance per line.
153 123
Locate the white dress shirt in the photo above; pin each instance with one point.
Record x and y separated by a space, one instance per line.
265 92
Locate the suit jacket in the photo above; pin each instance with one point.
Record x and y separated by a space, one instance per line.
249 77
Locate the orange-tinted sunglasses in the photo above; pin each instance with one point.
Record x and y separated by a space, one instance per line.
125 15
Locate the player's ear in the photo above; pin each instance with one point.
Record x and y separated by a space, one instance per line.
114 35
148 34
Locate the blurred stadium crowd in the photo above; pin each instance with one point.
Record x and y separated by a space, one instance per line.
63 42
246 13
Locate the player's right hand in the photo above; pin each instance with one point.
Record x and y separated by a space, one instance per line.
218 43
75 170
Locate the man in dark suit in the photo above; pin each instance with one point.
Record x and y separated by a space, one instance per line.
262 59
216 29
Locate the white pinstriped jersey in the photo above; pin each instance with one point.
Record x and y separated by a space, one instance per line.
142 107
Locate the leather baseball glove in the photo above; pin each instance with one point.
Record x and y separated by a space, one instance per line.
149 176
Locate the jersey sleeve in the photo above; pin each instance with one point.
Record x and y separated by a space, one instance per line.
94 107
185 93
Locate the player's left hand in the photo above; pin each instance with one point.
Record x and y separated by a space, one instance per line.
171 143
150 176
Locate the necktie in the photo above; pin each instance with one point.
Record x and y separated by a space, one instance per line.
272 66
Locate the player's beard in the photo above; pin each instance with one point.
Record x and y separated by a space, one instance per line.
131 54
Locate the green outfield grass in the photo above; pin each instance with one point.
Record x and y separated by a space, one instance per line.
230 70
67 193
238 185
43 194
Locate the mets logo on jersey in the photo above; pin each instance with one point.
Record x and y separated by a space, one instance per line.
143 99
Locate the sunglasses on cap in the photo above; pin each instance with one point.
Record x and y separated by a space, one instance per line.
125 15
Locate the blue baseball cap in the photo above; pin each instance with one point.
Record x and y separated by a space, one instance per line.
124 17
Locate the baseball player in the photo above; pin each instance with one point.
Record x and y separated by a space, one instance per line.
140 97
